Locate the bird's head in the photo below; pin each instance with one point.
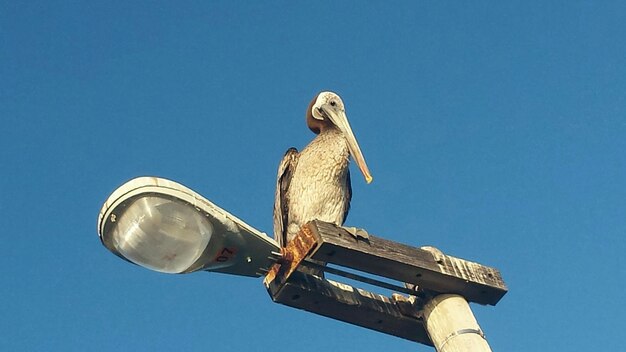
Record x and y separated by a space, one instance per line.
327 110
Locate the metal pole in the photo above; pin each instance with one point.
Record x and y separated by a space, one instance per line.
452 327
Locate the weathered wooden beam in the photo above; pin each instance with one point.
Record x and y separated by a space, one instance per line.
426 267
434 272
349 304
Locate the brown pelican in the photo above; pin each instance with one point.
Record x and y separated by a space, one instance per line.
314 184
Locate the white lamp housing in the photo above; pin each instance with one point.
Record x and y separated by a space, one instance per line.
165 226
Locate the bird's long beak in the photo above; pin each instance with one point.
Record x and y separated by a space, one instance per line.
339 119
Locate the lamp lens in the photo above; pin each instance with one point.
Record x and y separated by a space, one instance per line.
161 234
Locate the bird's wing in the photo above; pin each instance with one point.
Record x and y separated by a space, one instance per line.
348 196
285 170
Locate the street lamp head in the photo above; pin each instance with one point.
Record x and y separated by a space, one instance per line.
165 226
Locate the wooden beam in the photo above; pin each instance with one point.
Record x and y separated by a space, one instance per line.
426 267
434 272
349 304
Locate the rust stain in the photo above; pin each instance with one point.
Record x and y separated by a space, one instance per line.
271 275
292 255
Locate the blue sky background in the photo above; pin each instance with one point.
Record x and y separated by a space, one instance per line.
494 131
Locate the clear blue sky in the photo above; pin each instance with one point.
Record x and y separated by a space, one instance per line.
496 132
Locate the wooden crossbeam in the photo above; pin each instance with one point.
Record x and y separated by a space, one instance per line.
351 305
432 271
426 267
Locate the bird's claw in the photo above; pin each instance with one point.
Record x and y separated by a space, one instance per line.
357 233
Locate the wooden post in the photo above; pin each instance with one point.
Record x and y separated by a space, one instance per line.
451 325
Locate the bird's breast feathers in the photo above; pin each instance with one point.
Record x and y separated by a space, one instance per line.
318 187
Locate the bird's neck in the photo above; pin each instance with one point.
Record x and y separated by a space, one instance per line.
330 130
330 140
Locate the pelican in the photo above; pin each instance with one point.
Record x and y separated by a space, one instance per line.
314 184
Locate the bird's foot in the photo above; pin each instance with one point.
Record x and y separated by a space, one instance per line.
357 232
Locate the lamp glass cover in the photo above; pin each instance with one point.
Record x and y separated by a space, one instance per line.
161 234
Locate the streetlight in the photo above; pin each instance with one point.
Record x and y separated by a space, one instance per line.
164 226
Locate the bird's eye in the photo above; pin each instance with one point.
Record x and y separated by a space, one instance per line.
333 103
